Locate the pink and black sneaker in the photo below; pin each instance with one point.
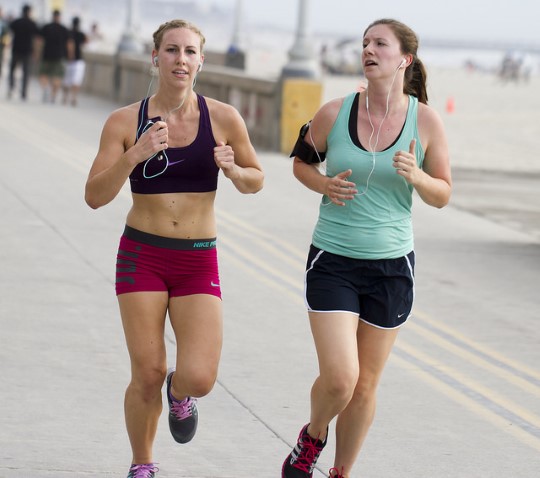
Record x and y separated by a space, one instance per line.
303 457
183 415
337 473
147 470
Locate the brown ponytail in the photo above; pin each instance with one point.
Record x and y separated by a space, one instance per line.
415 81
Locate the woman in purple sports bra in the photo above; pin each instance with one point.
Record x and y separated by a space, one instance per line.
171 146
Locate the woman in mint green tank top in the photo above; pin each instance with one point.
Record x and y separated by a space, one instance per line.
380 145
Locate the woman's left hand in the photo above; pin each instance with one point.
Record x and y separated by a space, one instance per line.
405 163
224 158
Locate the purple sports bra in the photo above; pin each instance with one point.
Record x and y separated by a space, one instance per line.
190 169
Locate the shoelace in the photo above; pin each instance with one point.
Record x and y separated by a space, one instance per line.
308 454
337 475
183 409
142 471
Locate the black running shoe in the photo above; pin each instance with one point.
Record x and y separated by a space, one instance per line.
183 415
302 460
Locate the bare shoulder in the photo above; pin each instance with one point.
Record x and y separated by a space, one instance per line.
227 123
117 136
332 107
123 115
122 124
325 118
427 116
221 112
435 143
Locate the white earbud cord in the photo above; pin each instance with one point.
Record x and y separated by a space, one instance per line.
163 154
372 147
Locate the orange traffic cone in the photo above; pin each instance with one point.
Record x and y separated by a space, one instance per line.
450 106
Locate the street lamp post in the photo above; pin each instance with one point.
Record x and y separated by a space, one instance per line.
302 61
129 41
235 56
301 88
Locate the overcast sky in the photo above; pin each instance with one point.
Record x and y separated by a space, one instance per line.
514 20
493 20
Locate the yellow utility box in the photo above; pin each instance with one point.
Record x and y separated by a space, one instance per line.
301 98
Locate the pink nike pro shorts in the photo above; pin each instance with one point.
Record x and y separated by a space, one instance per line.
181 267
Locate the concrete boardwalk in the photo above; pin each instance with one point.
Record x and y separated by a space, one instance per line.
461 394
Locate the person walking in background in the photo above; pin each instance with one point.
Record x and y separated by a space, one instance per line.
57 47
3 38
75 68
171 146
95 38
380 145
23 34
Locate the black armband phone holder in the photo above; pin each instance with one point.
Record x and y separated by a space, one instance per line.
305 151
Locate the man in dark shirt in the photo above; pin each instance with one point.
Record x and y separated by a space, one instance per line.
56 41
23 31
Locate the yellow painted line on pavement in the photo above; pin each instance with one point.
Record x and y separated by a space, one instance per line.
474 359
261 264
475 345
473 385
234 258
474 406
264 239
52 140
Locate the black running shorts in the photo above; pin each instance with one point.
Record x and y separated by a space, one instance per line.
380 292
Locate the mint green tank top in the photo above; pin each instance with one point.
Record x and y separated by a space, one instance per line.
377 224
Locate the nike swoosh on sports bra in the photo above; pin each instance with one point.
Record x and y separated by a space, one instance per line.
189 169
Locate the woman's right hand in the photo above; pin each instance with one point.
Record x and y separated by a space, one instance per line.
339 189
118 156
152 141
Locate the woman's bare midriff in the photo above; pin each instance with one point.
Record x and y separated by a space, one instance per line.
178 215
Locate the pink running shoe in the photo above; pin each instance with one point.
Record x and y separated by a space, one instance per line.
147 470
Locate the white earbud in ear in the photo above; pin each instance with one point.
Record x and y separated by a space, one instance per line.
200 67
155 60
403 63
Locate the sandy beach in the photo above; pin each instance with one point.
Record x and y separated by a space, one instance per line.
490 125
